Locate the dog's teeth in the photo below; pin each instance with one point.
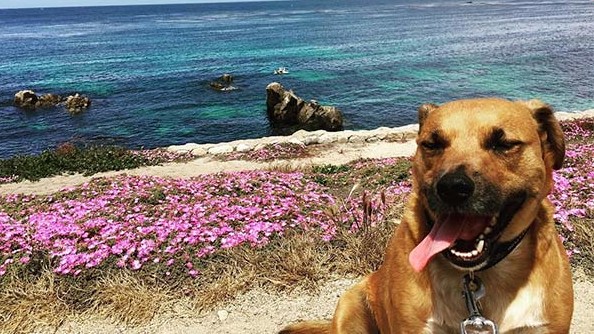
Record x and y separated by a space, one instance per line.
493 221
480 246
475 252
481 237
488 230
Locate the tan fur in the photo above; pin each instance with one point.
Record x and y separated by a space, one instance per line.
529 291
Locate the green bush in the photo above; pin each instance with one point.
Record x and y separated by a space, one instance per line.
69 158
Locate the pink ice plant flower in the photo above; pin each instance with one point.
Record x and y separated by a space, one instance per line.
137 219
573 194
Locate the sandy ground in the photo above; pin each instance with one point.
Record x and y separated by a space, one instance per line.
260 312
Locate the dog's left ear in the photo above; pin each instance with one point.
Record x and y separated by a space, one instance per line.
554 143
424 111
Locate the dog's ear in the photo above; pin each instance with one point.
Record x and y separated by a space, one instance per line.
424 111
554 143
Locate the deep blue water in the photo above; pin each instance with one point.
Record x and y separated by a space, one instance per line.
147 68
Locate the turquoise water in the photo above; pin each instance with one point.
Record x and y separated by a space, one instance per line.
147 68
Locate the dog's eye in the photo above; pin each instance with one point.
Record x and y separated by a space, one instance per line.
432 146
435 142
505 145
498 142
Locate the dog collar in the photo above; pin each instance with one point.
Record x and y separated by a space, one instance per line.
502 249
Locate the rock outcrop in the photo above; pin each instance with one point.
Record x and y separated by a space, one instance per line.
287 109
75 104
28 100
48 101
223 83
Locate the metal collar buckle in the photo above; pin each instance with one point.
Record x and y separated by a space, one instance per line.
473 290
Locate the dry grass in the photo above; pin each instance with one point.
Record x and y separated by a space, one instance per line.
584 237
298 260
125 298
32 304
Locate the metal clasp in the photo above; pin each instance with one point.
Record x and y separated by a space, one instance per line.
473 290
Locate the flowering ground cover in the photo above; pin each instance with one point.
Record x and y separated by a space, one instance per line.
573 194
134 221
211 237
270 152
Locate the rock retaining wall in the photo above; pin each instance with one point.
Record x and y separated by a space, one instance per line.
302 137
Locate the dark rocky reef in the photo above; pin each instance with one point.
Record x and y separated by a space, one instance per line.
29 100
223 83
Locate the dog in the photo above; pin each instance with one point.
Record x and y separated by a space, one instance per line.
479 214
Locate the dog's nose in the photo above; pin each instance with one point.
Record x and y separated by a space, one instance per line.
455 188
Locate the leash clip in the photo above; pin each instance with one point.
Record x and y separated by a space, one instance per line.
473 290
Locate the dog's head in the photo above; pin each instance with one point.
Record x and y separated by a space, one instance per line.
481 169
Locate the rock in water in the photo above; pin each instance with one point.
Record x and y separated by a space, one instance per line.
26 99
223 83
75 104
48 101
284 107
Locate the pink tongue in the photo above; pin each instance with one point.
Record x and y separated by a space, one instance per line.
442 235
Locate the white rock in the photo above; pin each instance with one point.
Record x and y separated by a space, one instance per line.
244 147
260 146
328 138
221 149
310 140
183 148
356 139
295 141
301 134
223 315
199 152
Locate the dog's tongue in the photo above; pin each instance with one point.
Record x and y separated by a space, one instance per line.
442 235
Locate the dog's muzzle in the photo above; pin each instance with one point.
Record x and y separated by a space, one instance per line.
467 218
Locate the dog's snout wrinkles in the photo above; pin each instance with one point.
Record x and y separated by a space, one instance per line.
455 188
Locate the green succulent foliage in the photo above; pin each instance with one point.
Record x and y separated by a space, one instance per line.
71 159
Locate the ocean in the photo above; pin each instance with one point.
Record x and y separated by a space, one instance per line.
147 68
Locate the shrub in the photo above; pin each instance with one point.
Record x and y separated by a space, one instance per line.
84 159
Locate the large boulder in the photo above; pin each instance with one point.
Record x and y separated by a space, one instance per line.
284 107
26 99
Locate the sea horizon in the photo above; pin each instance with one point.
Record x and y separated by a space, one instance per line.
147 68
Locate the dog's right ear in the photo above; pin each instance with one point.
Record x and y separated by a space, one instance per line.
554 142
424 111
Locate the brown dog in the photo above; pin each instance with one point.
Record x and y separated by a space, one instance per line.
482 171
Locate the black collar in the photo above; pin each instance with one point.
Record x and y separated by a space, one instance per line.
502 249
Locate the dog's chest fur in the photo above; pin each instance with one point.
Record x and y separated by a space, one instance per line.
518 313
